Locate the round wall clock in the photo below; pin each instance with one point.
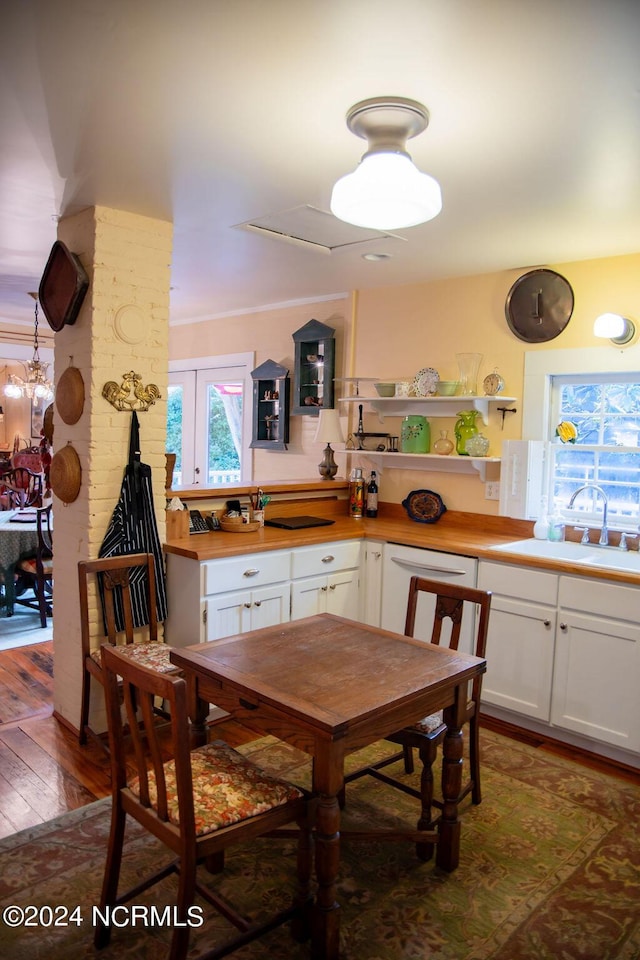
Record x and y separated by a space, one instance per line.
539 305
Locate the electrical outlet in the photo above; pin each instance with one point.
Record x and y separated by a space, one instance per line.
492 490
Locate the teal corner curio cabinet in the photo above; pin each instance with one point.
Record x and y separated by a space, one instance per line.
270 423
314 368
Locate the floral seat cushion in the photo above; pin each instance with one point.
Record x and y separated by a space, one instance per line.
227 788
429 724
153 654
29 566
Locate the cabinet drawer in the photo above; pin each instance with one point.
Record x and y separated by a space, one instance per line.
522 583
599 597
324 558
249 570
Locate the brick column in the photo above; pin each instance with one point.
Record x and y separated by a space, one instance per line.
123 325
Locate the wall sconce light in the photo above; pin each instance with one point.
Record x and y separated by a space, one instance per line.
329 431
611 326
386 191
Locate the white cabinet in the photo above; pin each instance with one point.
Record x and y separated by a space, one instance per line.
217 598
520 643
336 593
230 613
597 662
565 651
399 565
212 599
371 585
326 579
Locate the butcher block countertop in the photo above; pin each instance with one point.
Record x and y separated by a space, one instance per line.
468 534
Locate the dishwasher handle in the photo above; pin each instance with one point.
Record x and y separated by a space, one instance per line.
412 565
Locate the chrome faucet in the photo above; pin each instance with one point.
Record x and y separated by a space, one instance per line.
604 535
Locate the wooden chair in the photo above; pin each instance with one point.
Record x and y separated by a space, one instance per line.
20 487
428 733
36 573
113 576
198 803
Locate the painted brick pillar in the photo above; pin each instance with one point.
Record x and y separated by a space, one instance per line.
123 325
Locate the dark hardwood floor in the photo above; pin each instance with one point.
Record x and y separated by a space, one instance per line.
44 772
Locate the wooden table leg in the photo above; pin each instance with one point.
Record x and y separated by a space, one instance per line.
328 780
448 847
198 713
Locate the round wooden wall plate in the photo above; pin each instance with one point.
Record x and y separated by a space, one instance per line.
70 395
65 474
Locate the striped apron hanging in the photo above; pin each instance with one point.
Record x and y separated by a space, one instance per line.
133 529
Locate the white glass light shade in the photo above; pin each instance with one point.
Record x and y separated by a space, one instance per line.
612 326
329 428
386 192
12 389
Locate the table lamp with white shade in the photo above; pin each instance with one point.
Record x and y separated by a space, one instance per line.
329 431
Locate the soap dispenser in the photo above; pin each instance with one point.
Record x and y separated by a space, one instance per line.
541 526
556 527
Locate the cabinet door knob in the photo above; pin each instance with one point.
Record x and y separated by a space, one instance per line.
324 589
547 623
564 626
328 559
251 572
332 586
248 606
257 603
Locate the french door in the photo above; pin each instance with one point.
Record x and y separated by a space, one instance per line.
209 420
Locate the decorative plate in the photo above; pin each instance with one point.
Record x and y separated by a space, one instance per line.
63 287
424 506
424 382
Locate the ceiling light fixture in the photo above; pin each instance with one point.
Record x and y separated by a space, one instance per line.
386 191
35 385
614 327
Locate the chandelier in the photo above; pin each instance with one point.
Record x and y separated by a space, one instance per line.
35 385
386 191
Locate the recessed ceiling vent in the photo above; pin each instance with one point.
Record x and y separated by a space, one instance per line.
315 229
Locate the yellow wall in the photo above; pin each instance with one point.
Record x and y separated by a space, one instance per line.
397 331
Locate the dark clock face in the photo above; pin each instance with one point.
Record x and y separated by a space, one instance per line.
539 306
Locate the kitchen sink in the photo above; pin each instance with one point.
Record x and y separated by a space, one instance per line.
609 558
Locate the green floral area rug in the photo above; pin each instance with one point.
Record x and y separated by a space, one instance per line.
549 870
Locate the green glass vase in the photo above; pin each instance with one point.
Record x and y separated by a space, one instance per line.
465 427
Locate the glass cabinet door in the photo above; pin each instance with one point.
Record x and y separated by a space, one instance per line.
270 429
314 368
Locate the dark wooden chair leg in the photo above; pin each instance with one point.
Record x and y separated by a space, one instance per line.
428 752
474 759
102 933
84 709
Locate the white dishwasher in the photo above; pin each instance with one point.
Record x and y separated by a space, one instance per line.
400 564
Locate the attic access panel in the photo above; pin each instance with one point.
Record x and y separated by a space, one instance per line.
313 228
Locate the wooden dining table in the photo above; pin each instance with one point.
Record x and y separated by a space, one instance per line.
330 686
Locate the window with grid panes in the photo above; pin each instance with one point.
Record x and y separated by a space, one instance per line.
605 409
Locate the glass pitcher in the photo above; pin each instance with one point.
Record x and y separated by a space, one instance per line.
465 427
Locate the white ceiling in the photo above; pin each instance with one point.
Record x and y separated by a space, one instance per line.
213 112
